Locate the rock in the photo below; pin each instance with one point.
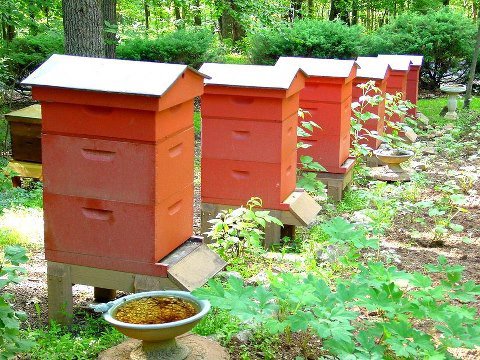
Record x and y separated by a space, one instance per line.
292 258
422 120
224 275
259 279
244 336
429 151
329 254
410 135
420 167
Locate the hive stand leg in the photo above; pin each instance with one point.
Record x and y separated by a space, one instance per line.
60 299
335 191
16 181
275 233
104 295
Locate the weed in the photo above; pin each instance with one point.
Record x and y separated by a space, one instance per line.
81 341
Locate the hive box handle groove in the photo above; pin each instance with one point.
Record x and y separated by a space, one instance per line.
175 208
240 134
242 99
240 175
98 155
176 150
97 110
97 214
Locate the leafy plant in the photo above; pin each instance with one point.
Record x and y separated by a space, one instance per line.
11 272
239 232
402 302
308 38
186 46
307 171
395 109
83 340
445 38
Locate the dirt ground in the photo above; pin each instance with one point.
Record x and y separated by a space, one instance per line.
31 294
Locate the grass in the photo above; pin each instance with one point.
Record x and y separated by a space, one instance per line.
9 237
82 341
431 108
197 123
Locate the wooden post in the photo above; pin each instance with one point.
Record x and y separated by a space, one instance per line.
60 299
104 295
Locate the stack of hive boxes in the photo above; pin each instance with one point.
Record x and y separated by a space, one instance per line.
249 125
378 72
327 97
118 160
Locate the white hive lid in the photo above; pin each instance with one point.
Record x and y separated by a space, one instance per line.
371 68
107 75
319 67
416 60
250 76
400 63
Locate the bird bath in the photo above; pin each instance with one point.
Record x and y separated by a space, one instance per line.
393 159
157 340
452 90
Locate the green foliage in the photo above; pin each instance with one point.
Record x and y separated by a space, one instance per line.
84 340
403 302
307 38
192 47
307 171
9 237
219 323
238 232
11 341
395 107
19 197
445 38
25 53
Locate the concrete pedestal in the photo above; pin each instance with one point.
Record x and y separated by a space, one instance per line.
200 348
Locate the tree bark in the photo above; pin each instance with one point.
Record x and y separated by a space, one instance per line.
197 15
295 11
83 28
109 14
146 12
471 75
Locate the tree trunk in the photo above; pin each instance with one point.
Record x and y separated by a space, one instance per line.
146 12
109 13
471 75
310 8
295 11
8 31
338 11
355 12
197 15
334 11
83 28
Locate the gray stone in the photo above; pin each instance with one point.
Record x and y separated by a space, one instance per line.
243 336
224 275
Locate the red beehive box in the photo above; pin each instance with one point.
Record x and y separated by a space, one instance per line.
397 81
413 78
249 134
378 71
327 97
117 149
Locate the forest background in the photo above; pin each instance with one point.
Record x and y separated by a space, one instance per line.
239 31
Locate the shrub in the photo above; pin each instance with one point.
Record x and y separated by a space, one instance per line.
445 39
24 54
307 38
186 46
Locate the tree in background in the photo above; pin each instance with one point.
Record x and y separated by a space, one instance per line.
89 27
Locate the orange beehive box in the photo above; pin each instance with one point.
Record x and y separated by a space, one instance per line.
378 71
117 160
413 78
249 119
397 81
327 97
